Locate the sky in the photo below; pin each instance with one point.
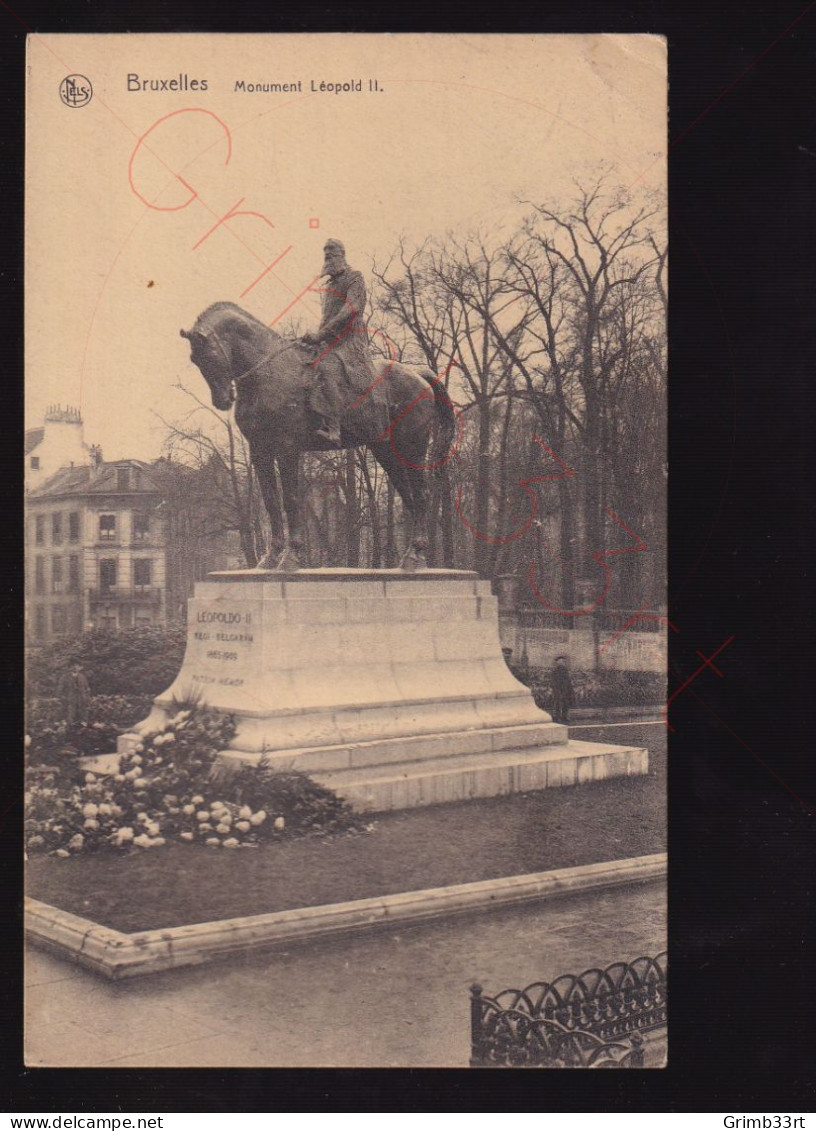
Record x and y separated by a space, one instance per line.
126 195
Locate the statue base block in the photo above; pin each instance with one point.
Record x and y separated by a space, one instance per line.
389 687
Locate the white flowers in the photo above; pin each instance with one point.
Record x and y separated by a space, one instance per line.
188 810
230 842
145 841
105 810
186 836
203 815
90 778
245 812
222 828
258 818
123 836
76 842
90 810
243 826
161 739
213 842
197 800
91 823
280 822
62 853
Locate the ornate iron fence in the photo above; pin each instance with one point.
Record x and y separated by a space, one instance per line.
589 1020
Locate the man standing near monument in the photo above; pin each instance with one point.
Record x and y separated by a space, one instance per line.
74 696
563 694
344 358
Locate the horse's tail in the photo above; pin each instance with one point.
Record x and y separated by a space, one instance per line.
446 418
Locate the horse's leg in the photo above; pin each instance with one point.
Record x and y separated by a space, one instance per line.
404 485
416 558
263 461
289 467
411 437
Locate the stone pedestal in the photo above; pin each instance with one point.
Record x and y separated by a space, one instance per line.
389 687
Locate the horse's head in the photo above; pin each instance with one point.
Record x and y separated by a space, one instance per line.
228 345
209 353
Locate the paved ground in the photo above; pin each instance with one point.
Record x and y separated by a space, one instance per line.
386 998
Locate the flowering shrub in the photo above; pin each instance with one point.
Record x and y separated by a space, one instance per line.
51 739
137 661
122 710
309 807
165 789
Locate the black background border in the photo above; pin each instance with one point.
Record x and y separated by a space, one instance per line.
742 191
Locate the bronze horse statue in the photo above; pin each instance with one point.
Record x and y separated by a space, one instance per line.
268 379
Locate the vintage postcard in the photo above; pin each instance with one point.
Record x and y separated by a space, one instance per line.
346 618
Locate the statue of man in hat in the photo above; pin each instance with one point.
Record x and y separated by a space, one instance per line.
343 357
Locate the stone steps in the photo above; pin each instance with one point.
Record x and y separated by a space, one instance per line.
433 781
410 749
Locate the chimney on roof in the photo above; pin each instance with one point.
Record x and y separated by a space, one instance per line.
56 414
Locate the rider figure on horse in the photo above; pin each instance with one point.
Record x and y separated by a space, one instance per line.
342 336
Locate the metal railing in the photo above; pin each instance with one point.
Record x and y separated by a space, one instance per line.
125 593
604 620
589 1020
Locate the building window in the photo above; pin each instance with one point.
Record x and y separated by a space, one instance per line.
56 575
141 573
107 621
56 528
141 526
107 527
73 526
123 479
35 463
39 529
107 574
58 620
73 573
39 621
76 618
143 616
39 575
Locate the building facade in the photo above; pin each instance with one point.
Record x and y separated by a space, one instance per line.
111 545
96 551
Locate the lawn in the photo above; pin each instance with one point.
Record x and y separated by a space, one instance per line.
406 851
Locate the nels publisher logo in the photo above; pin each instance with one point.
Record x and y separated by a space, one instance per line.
76 90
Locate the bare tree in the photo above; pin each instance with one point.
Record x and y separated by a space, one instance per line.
209 442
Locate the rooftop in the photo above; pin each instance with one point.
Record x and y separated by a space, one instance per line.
101 480
33 437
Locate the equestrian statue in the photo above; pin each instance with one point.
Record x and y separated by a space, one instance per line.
323 392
